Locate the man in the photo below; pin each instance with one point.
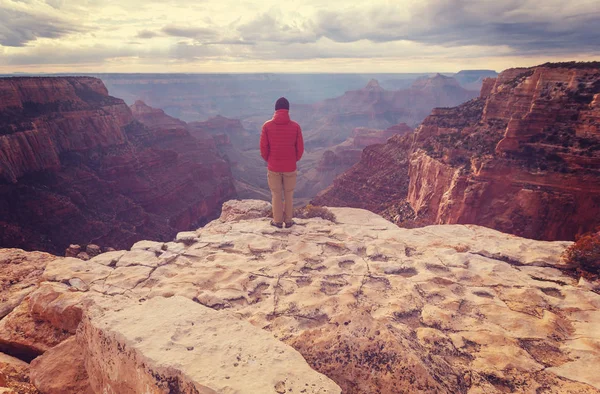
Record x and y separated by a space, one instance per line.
281 146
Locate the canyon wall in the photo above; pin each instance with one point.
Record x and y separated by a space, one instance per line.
522 158
337 159
78 166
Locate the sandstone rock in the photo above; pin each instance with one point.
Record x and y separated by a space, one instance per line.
93 250
69 268
14 376
58 305
109 258
186 237
83 256
72 251
236 210
214 351
375 307
453 308
20 272
61 370
25 337
156 247
138 257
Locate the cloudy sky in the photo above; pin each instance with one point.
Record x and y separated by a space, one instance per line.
293 35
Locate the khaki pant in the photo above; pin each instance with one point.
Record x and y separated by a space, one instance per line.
282 184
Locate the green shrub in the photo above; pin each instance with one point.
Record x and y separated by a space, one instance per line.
312 211
585 254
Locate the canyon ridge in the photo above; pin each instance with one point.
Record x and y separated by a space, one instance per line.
523 158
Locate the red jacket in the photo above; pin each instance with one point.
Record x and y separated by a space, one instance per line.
281 142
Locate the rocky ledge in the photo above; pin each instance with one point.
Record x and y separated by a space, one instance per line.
369 305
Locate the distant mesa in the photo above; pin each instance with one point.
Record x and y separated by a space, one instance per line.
473 79
373 85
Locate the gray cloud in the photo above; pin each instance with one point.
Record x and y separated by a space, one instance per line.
271 28
187 51
189 32
231 42
147 34
17 28
60 55
525 26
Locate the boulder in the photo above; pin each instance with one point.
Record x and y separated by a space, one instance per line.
72 251
61 370
93 250
236 210
176 345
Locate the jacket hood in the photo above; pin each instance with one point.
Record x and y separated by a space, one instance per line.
282 116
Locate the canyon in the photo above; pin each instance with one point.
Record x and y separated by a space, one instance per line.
523 158
438 266
80 166
330 108
353 304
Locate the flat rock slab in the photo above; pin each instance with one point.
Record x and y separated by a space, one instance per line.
374 307
167 345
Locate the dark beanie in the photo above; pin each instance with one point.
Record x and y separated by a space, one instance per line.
282 103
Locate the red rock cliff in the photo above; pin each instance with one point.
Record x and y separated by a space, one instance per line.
523 158
76 166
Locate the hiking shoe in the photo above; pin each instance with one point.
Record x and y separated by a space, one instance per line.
289 224
278 225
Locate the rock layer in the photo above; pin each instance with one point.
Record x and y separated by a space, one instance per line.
76 166
377 308
523 158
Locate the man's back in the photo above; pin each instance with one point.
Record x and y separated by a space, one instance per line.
281 142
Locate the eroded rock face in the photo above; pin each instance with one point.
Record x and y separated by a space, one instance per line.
77 165
340 158
377 308
376 182
523 158
19 274
168 345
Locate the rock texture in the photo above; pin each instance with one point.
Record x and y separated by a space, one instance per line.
61 370
14 376
523 158
375 307
19 275
76 166
173 345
